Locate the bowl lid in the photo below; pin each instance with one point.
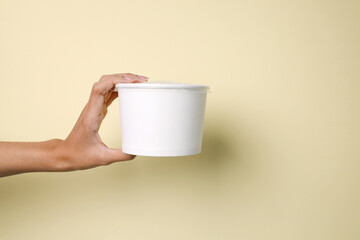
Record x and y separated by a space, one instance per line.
161 85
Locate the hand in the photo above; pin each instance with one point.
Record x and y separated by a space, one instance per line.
83 148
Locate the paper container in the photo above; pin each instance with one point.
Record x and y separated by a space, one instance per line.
161 119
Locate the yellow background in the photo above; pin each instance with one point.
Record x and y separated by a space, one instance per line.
281 142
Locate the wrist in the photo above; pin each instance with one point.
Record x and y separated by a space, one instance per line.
59 155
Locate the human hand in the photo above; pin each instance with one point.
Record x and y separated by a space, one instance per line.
83 148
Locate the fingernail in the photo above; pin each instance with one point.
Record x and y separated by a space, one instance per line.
127 77
143 77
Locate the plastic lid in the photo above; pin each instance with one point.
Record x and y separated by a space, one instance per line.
158 85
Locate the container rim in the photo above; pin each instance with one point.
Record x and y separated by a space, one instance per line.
161 86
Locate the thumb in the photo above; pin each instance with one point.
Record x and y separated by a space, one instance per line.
117 155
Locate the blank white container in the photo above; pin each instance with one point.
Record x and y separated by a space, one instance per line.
161 119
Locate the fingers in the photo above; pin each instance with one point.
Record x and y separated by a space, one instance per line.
101 90
107 82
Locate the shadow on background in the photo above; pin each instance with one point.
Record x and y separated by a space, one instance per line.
216 151
218 154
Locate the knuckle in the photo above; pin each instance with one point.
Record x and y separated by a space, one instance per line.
103 77
96 88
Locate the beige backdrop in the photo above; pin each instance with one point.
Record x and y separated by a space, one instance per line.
281 148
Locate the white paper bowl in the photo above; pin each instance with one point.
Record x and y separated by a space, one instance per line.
161 119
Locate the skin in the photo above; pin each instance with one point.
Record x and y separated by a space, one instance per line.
82 149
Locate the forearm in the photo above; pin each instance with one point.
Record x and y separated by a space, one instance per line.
21 157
